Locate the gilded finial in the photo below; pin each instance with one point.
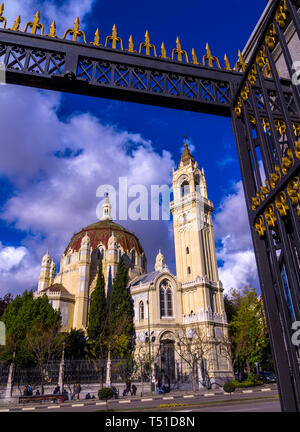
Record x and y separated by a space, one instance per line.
52 32
75 32
131 45
240 64
163 51
16 25
35 25
2 18
210 58
147 45
194 57
179 51
227 63
114 39
97 39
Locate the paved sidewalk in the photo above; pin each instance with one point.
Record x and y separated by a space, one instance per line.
172 396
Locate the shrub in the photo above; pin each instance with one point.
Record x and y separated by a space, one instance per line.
229 387
252 381
105 393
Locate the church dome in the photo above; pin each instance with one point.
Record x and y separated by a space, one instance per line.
100 233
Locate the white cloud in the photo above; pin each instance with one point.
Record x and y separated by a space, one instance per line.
10 257
55 194
236 251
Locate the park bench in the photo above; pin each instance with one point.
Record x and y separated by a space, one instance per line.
41 398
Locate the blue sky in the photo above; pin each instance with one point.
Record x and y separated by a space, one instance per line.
57 148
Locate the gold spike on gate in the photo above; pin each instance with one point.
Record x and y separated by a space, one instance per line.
2 18
75 32
114 39
240 64
163 51
194 57
147 45
35 25
179 52
227 63
131 45
210 58
97 39
52 32
16 25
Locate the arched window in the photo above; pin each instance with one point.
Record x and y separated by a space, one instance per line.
133 256
141 310
187 250
169 302
165 299
189 270
184 188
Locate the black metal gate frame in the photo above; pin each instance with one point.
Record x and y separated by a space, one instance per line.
265 113
268 120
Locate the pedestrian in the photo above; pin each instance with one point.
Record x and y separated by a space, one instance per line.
133 389
30 393
25 392
77 391
37 393
128 386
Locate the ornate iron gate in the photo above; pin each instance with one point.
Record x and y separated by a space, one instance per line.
267 129
265 112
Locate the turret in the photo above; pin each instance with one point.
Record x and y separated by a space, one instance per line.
106 209
81 297
160 264
44 279
112 257
52 272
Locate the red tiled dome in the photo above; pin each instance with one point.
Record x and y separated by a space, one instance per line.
100 232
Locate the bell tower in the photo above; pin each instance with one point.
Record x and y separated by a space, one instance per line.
192 220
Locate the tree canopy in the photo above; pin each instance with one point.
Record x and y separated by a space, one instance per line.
247 328
22 317
98 317
121 312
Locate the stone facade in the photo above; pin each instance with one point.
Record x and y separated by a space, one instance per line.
180 312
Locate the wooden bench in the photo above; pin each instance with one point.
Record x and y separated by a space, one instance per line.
41 398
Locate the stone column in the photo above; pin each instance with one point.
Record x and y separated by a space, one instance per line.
108 371
10 380
61 370
200 376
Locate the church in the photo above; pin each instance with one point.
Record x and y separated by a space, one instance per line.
179 311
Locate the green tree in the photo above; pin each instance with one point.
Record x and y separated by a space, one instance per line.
98 316
248 329
44 344
97 330
21 317
121 327
75 343
4 302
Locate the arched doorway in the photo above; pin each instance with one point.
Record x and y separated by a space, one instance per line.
167 373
